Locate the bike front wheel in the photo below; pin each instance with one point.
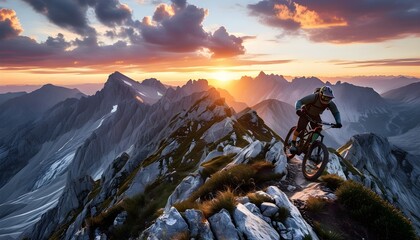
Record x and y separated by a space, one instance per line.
288 142
315 161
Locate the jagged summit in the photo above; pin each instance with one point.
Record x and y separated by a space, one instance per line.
306 80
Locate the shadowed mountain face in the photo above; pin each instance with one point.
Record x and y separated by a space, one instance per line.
7 96
382 84
388 170
28 107
81 137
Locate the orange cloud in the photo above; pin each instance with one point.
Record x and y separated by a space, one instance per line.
9 24
307 18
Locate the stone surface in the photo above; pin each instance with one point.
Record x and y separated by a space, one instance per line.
297 226
222 226
199 226
251 226
184 190
269 209
166 226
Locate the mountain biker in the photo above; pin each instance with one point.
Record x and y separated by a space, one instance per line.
313 105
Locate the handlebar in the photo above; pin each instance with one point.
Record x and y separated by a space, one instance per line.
316 122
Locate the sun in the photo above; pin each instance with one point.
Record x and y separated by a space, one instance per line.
221 78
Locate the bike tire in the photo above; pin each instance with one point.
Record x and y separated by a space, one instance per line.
287 142
322 162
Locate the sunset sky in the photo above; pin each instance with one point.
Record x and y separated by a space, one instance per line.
83 41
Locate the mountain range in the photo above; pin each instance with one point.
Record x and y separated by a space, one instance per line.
80 167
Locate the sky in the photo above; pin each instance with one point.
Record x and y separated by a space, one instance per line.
83 41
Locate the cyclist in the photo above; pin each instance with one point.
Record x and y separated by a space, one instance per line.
314 105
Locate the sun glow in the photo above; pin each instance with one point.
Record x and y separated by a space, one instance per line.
222 76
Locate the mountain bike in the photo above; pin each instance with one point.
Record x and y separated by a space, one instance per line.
310 143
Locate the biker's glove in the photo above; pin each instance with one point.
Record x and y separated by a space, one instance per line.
299 112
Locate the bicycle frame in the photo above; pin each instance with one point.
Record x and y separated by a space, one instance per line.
309 132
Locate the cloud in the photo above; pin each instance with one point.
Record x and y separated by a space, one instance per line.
224 45
342 21
381 62
9 24
112 12
178 28
69 14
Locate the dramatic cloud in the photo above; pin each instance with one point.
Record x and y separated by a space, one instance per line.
9 24
224 45
157 43
342 21
111 12
178 27
69 14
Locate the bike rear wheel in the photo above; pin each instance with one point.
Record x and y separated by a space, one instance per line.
315 161
288 142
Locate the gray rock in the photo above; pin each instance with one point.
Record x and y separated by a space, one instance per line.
199 226
269 209
243 200
184 190
166 226
222 226
81 234
256 211
120 219
77 224
298 227
251 226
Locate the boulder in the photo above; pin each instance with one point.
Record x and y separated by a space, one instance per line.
295 223
199 226
222 226
251 226
166 226
184 190
269 209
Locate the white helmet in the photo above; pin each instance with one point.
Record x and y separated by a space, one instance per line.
326 95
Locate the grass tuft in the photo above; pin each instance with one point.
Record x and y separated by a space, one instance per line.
212 166
181 236
332 181
315 204
370 209
325 233
282 214
223 200
186 204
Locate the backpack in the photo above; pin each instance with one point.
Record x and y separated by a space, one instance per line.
317 90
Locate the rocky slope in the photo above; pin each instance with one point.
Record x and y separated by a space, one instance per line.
386 169
28 107
44 151
199 129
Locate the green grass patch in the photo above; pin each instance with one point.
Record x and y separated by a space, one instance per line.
325 233
242 178
367 207
332 181
315 204
104 219
186 204
214 165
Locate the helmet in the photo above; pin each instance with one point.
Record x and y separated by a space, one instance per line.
326 95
